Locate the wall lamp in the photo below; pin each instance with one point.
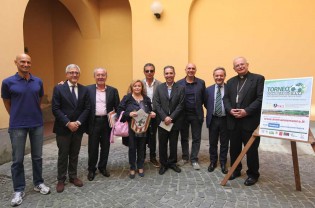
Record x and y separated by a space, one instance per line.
156 8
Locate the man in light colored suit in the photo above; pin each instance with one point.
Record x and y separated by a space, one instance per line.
242 102
216 121
150 84
71 107
168 103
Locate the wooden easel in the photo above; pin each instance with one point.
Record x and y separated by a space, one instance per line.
311 140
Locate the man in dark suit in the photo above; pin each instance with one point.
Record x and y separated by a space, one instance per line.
194 116
216 121
242 101
70 106
168 103
103 99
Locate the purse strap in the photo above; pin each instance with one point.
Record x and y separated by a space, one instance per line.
122 112
111 138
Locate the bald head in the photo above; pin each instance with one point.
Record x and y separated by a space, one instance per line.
243 59
23 63
191 70
240 66
22 55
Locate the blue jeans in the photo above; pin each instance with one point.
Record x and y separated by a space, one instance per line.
18 140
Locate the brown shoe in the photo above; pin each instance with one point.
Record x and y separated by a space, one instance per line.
77 182
60 186
155 162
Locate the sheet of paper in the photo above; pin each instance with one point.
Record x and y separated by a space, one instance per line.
166 127
141 118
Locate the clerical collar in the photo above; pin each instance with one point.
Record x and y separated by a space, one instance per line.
243 76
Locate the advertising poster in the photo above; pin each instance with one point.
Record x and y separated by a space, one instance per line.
286 108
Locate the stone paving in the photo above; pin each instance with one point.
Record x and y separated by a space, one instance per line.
190 188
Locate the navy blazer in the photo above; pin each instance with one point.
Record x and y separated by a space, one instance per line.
65 110
251 100
209 103
172 106
199 88
129 104
112 102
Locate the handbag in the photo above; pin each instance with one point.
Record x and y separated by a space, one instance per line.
119 129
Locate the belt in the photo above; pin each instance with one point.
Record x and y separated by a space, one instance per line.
218 116
105 116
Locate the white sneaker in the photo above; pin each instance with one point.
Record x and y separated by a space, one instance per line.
17 198
182 163
195 166
42 188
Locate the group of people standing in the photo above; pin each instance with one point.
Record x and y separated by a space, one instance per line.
233 113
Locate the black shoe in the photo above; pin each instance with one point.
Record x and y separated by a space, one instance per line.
162 170
235 175
250 181
211 167
175 168
91 175
105 173
142 173
224 169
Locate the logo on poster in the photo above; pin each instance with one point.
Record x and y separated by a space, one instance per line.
296 89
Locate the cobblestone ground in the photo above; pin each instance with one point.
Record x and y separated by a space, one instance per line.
190 188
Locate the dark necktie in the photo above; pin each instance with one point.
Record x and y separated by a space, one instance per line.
218 102
73 95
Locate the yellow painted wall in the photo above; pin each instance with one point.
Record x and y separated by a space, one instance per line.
11 42
277 37
112 50
161 42
38 36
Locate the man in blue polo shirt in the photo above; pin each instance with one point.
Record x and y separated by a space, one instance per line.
21 94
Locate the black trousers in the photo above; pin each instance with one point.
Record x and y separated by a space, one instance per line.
166 138
196 127
239 136
68 155
136 151
99 138
218 131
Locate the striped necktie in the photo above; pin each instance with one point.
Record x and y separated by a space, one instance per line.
218 102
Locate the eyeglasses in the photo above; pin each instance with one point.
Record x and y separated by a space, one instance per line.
73 73
239 65
100 75
149 71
